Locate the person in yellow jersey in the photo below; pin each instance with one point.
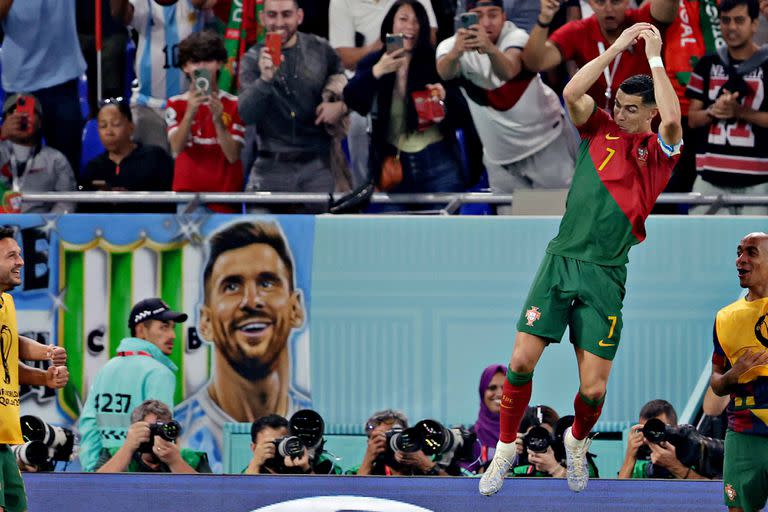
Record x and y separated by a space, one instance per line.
12 347
740 368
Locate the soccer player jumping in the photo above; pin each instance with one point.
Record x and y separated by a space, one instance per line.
621 169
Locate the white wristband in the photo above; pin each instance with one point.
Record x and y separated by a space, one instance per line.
655 62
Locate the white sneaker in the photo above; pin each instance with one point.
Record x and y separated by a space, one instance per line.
576 458
493 478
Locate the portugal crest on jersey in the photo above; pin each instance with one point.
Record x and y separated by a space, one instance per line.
532 315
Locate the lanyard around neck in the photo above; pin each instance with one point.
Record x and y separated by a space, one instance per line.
609 76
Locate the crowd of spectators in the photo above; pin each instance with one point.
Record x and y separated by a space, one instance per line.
461 89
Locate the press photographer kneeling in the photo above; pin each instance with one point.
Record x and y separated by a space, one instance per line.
660 448
540 449
292 446
150 446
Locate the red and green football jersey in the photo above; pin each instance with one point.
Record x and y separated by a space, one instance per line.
617 179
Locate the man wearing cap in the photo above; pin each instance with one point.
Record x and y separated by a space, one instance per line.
26 165
521 124
141 371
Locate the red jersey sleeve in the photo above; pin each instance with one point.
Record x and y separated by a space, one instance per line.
568 38
718 354
643 14
235 126
174 112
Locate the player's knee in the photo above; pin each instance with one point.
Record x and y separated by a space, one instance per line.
520 363
593 391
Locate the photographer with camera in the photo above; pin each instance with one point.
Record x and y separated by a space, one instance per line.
384 429
535 442
653 444
267 434
292 446
150 446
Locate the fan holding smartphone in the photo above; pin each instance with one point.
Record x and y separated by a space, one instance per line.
26 165
204 128
411 149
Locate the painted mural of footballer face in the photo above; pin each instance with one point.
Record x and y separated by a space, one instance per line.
251 304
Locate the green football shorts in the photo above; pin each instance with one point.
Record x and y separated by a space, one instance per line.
745 471
583 296
13 498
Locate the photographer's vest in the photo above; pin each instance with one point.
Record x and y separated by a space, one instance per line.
10 424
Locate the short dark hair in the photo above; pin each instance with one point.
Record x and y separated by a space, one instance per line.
295 2
7 232
121 106
243 234
270 421
205 46
753 7
656 408
640 85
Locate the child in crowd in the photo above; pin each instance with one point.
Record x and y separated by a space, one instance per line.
204 129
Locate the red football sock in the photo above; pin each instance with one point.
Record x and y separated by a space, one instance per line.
586 414
514 400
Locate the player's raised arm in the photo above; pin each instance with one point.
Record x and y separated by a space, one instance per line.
580 104
670 129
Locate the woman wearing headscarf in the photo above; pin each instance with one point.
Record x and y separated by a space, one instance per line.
487 425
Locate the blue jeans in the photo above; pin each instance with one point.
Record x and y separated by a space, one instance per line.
433 169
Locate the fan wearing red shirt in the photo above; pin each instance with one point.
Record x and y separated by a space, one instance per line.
584 40
204 129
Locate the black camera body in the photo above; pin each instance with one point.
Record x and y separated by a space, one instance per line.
44 444
170 431
432 438
692 449
306 428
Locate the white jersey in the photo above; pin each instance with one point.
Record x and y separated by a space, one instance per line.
514 119
202 423
161 29
345 17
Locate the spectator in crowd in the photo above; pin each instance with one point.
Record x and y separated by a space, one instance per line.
250 308
266 434
354 31
740 369
519 119
487 425
147 451
159 75
385 85
141 370
727 103
282 96
204 128
42 57
662 457
114 39
26 164
583 40
380 459
126 165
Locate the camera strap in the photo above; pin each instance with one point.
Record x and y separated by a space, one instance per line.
134 353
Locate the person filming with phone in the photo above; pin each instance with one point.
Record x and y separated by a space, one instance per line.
412 149
204 129
26 164
290 90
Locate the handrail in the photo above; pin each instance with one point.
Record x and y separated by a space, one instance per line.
450 201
